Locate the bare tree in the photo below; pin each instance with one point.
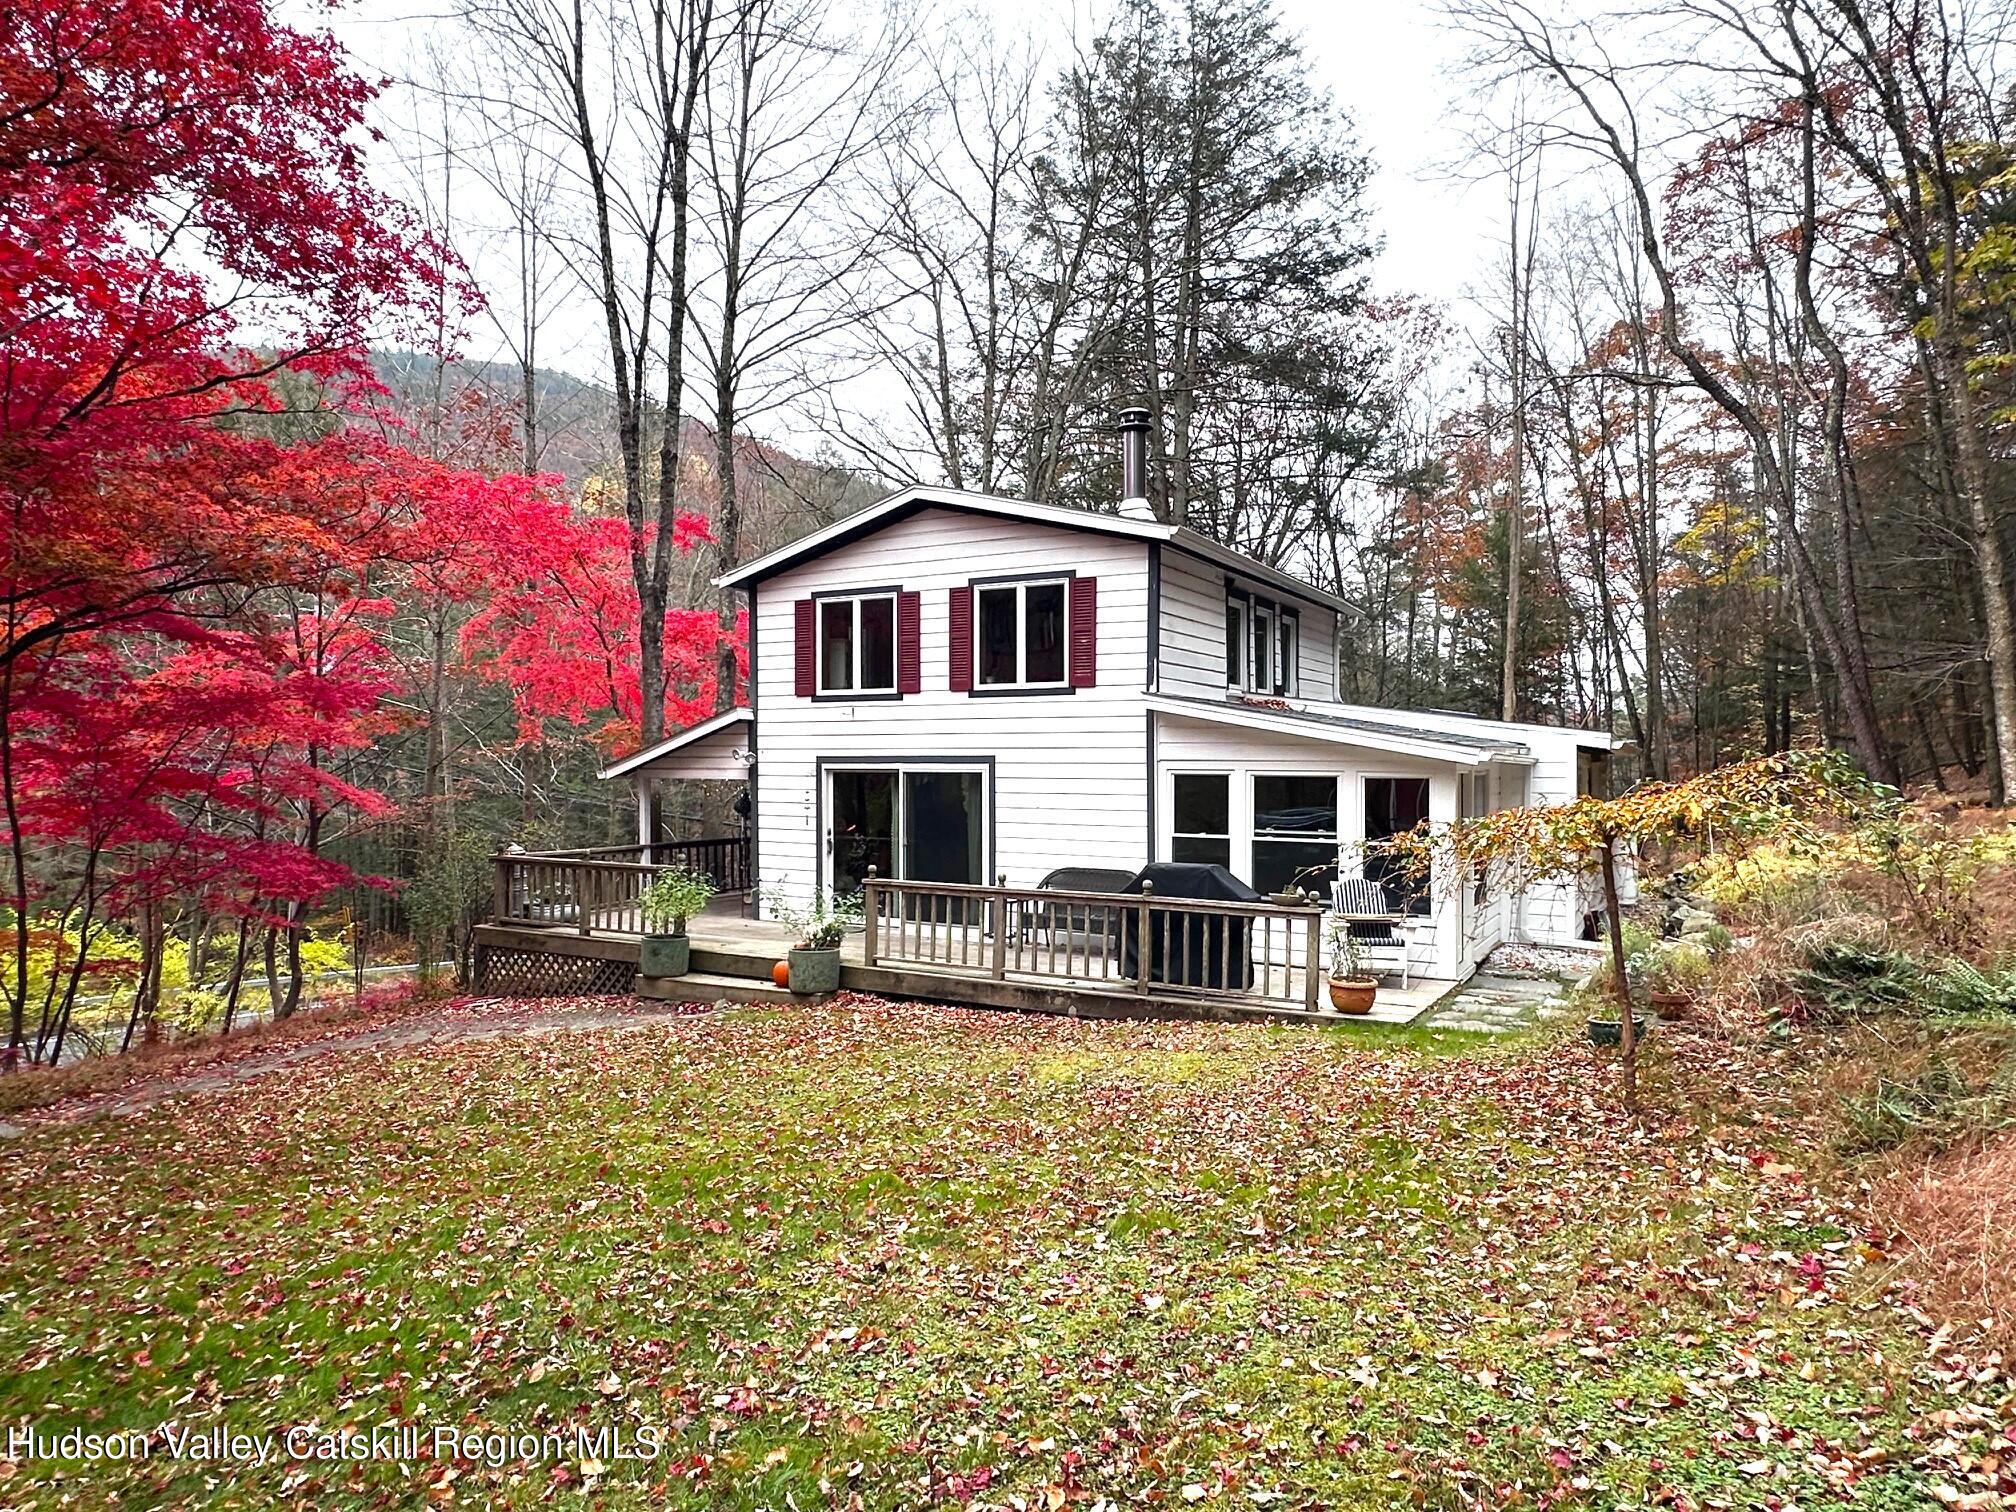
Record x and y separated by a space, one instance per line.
1601 116
611 91
788 112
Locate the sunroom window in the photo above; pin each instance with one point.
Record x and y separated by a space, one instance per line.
1201 818
1019 638
1294 833
1393 806
857 644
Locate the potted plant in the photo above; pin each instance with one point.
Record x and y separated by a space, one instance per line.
673 897
1352 988
815 958
1672 972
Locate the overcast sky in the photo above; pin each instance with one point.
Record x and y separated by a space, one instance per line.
1387 63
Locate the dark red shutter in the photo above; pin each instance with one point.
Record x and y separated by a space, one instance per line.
1084 632
961 672
806 681
909 651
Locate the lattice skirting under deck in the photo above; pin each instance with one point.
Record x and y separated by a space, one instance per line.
509 972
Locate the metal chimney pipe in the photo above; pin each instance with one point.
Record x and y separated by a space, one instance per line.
1133 427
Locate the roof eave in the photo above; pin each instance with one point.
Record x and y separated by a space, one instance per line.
1221 555
690 736
862 521
1425 747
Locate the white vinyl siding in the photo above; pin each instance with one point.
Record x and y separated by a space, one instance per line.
1070 783
1194 638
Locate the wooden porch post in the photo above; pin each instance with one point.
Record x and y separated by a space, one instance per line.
1144 953
581 907
500 898
1314 931
1001 927
871 896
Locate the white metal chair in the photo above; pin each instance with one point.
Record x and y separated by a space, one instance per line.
1378 930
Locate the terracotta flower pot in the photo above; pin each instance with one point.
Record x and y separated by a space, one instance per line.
1672 1005
1353 994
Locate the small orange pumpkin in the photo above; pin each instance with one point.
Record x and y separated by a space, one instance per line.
781 973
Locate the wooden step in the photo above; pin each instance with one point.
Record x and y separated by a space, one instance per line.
715 987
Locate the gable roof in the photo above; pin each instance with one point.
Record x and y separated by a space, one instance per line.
689 736
1339 729
909 501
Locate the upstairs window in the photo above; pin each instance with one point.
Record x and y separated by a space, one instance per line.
1019 635
1263 646
857 644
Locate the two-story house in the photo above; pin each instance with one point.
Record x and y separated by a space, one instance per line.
955 687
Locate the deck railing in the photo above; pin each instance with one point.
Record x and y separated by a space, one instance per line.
1185 947
599 889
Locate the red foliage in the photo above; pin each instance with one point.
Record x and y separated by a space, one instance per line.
562 630
191 611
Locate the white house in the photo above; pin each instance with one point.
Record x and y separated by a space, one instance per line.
956 687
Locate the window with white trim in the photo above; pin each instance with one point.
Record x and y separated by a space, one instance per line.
1393 806
1294 832
1200 819
1263 645
1019 634
1236 646
857 644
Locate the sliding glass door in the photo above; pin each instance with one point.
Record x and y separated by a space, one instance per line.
920 823
861 808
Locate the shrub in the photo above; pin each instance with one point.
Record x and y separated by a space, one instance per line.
1844 977
674 896
1637 938
1676 966
1773 881
1937 1105
1964 991
820 925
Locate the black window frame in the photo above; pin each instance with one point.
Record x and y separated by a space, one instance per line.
1283 643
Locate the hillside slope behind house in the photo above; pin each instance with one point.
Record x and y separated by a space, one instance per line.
784 495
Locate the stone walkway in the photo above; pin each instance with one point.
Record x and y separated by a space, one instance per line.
1493 1004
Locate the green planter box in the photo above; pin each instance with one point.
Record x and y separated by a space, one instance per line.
664 955
815 970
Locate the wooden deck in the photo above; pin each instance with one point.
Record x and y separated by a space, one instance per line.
733 956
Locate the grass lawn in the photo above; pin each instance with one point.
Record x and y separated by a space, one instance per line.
886 1256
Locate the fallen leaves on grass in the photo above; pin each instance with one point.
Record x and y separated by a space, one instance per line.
875 1255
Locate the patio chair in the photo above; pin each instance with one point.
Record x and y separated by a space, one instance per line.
1379 940
1072 918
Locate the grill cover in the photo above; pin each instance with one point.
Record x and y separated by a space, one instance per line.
1185 950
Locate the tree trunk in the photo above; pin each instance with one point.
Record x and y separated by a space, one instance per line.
1620 981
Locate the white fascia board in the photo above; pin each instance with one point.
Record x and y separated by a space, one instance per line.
676 742
1425 746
